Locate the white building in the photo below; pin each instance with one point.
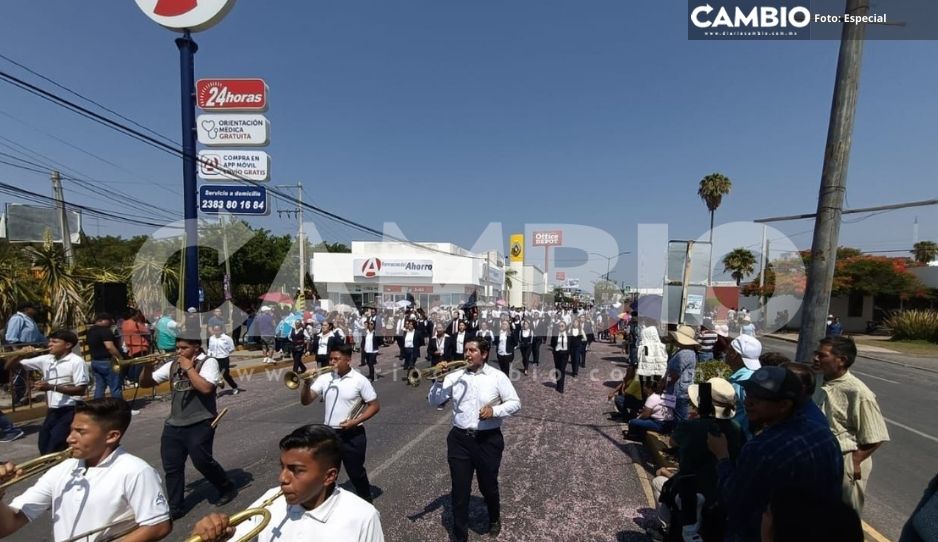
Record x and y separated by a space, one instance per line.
533 286
433 273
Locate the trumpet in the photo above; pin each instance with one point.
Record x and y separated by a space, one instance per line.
244 515
25 352
292 380
415 376
37 466
143 360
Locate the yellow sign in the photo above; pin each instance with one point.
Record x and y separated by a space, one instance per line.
516 251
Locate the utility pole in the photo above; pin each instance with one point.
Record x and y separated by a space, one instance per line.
63 218
227 281
299 208
833 184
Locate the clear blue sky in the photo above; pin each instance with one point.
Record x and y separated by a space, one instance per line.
446 115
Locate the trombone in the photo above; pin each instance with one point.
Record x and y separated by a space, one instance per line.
37 466
24 352
415 376
143 360
292 380
244 515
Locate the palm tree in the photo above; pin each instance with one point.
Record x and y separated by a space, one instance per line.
925 251
712 189
740 262
59 288
509 273
15 284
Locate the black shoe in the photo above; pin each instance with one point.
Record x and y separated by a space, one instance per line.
227 497
495 528
655 533
177 515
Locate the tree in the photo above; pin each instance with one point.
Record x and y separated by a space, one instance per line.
712 189
740 262
925 251
509 283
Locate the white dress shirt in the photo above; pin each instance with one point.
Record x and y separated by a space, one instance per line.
470 391
209 369
503 344
70 370
221 346
409 339
562 342
323 348
460 339
121 487
340 394
344 516
370 342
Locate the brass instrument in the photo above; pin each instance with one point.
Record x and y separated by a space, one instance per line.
143 360
37 466
357 408
244 515
292 380
415 376
25 352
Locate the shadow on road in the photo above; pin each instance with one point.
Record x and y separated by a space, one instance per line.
478 513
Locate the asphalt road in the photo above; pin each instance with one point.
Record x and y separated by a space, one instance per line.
566 474
902 467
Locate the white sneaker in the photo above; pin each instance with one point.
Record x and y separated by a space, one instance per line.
236 391
134 412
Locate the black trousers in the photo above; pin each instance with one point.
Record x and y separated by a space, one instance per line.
481 453
525 356
560 364
504 363
354 445
371 359
55 429
298 366
410 357
536 350
322 361
224 367
193 441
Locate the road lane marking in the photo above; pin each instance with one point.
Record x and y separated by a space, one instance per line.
876 377
873 533
911 429
406 448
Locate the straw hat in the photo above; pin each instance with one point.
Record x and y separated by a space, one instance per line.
721 393
684 336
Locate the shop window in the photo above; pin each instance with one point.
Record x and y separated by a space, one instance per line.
855 305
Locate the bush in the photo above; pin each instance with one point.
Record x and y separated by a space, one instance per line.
711 369
914 325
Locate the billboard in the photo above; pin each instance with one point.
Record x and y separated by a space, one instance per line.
548 238
29 223
387 267
516 248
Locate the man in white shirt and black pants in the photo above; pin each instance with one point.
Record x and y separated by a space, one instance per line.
341 391
64 379
220 347
481 396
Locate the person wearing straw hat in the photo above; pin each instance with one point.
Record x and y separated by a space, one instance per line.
715 405
680 372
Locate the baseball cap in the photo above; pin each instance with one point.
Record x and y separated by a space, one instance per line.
773 384
749 348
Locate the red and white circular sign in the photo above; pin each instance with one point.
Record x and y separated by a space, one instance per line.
192 15
371 267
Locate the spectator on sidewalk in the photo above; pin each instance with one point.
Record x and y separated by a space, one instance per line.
774 359
681 369
834 327
102 345
21 330
808 384
627 396
707 338
853 414
655 416
166 331
742 357
791 451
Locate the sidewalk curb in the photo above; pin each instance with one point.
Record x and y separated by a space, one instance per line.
862 355
38 411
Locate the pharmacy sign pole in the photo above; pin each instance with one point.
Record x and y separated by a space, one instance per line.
188 16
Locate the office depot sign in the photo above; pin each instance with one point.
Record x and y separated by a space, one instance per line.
231 94
551 238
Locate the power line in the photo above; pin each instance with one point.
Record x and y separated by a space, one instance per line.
126 130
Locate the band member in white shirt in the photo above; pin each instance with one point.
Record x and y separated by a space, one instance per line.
100 485
481 396
459 341
505 343
439 348
371 343
412 340
312 507
64 378
188 431
562 345
342 391
220 347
